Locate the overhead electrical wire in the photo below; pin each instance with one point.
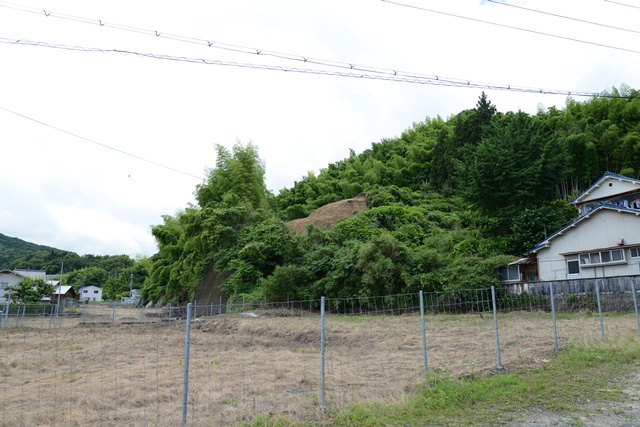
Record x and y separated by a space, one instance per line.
435 81
622 4
354 69
584 21
226 46
102 145
512 27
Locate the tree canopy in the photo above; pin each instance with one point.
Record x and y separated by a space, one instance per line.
450 200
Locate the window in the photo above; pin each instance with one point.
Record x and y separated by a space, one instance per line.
3 285
95 292
85 291
617 255
509 273
635 252
573 267
602 257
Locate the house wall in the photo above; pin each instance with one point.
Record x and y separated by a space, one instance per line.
8 279
610 187
602 230
93 293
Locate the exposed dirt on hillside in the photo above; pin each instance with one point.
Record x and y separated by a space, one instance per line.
327 216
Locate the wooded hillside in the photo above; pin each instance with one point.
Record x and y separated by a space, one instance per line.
449 201
12 248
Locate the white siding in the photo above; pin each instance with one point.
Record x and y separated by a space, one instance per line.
610 186
90 293
602 230
8 279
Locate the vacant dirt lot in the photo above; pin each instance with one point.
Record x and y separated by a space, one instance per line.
80 372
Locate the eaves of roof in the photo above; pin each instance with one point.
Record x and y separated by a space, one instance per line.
13 272
545 243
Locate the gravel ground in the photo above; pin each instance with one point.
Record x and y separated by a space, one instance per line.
624 413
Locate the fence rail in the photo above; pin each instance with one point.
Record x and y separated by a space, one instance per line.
221 364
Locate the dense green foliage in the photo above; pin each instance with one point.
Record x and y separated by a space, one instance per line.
110 272
29 290
12 248
51 261
450 200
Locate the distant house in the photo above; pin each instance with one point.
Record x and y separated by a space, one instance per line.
33 274
8 278
604 241
90 293
63 292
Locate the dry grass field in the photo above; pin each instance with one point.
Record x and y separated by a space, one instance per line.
82 370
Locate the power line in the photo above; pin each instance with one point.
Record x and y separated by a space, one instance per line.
622 4
584 21
400 76
101 144
511 27
225 46
415 80
353 69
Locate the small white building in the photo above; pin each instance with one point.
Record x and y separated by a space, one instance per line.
8 278
90 293
604 241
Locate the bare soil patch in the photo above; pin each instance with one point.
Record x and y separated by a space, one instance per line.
327 216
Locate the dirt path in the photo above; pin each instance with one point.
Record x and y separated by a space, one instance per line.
625 413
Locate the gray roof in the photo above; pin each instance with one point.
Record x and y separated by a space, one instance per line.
545 243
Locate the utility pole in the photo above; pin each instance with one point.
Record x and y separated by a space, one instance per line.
59 289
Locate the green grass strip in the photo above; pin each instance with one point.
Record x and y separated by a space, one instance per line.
583 372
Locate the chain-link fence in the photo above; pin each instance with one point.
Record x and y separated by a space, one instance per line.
222 364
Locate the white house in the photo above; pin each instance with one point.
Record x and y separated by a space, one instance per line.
604 241
8 278
90 293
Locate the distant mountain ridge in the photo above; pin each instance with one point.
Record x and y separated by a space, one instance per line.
12 248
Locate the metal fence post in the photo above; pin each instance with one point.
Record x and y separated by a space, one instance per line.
6 314
635 303
424 337
495 323
220 306
322 353
599 309
113 315
83 310
187 344
553 316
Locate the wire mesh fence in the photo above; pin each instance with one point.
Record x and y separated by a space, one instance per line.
222 364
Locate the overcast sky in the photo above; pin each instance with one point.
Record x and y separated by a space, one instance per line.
66 192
